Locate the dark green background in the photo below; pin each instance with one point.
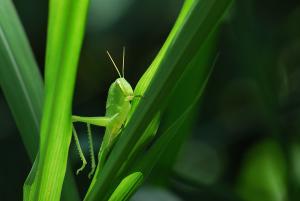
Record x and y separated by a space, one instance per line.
248 124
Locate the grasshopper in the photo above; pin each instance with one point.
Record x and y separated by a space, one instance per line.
118 105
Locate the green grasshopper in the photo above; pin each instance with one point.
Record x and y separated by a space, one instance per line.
118 106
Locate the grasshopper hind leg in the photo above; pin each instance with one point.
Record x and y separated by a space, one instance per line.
81 155
91 149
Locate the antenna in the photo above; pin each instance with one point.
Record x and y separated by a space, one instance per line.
123 64
114 64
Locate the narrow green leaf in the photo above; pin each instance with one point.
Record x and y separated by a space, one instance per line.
195 22
20 79
22 85
173 130
189 86
65 33
127 187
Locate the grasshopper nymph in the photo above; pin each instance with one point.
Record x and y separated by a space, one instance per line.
118 106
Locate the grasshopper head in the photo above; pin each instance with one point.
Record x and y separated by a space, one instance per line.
125 88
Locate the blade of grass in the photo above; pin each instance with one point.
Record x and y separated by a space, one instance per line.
192 79
20 79
175 128
127 187
65 33
196 21
22 85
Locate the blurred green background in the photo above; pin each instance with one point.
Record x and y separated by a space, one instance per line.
245 144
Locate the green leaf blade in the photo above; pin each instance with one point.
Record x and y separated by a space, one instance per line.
65 35
22 85
20 79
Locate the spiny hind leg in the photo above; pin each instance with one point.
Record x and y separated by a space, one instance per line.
91 147
81 155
